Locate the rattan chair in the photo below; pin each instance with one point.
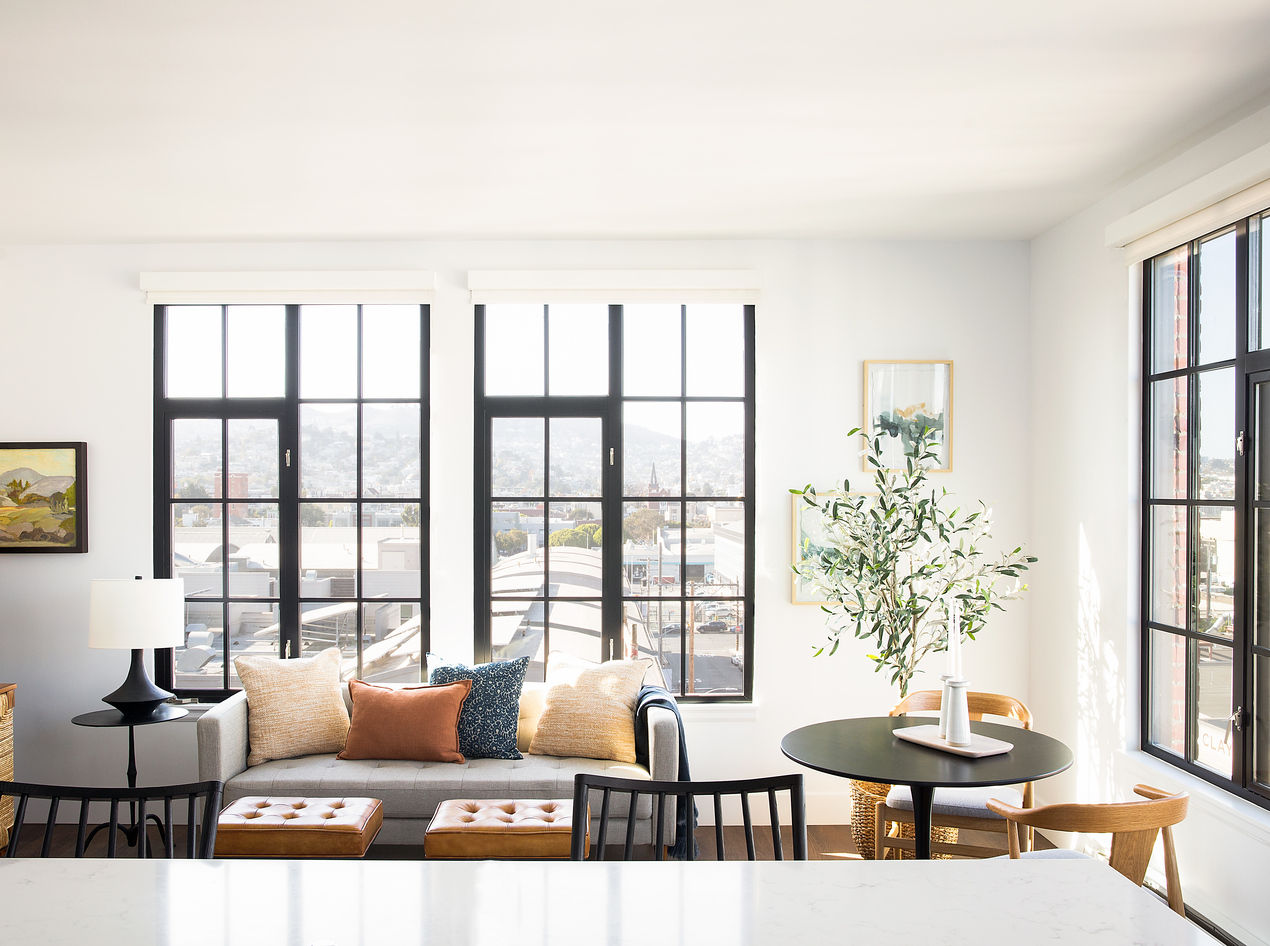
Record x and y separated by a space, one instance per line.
684 794
961 808
1133 826
144 805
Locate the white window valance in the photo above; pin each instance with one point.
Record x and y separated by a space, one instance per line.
364 286
613 285
1222 196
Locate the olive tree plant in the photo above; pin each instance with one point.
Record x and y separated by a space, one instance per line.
890 558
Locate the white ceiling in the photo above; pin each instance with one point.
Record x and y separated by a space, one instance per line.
141 120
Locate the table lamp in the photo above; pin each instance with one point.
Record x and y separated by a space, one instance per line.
134 615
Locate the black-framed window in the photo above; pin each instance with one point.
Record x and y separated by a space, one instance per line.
291 484
1206 509
614 485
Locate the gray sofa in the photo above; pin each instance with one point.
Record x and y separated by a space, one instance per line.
411 791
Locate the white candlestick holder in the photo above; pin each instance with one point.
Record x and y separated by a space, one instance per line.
958 715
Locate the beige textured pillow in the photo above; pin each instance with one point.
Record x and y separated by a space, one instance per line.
294 707
590 709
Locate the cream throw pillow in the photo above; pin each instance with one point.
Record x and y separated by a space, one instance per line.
590 709
294 707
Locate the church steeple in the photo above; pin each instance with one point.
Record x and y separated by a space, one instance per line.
654 488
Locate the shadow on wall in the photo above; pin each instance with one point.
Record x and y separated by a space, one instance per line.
1101 684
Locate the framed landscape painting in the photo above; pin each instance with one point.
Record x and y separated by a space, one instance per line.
43 497
901 399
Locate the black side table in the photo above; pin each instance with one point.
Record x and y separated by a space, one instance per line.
113 719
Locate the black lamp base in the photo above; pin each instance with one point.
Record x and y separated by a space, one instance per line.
137 697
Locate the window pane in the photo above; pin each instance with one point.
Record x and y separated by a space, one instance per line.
651 448
517 539
516 630
716 549
253 461
390 350
328 450
1216 394
1168 310
652 350
1168 439
200 661
391 553
1259 297
1168 691
577 453
517 456
671 651
326 624
1215 572
328 550
328 351
513 349
573 627
1261 719
650 548
392 642
1261 441
575 561
643 623
715 662
196 459
1214 678
716 350
390 450
1168 565
1260 571
1217 298
716 449
256 365
196 549
579 353
193 351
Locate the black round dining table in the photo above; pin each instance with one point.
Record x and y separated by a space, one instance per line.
868 749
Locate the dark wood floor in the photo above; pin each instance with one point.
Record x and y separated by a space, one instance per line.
824 842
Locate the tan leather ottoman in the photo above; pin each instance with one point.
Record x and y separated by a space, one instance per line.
258 826
467 829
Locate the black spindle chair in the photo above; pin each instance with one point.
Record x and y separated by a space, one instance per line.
684 794
200 837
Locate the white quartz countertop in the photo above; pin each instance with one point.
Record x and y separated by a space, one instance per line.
412 903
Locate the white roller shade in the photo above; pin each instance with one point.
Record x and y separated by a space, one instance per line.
614 285
244 288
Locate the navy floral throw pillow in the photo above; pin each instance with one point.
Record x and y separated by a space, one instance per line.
487 725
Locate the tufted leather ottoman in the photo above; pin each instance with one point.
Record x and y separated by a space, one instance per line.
258 826
500 829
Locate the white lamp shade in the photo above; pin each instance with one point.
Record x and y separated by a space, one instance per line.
124 614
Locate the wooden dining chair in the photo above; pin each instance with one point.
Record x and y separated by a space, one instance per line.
201 801
961 808
1133 826
684 794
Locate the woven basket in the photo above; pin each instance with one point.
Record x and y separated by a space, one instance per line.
864 799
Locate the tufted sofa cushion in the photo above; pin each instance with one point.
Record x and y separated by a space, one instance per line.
479 828
415 789
298 827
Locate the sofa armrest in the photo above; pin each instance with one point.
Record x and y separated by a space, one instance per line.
663 744
222 739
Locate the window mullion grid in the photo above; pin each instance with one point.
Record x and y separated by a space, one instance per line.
359 589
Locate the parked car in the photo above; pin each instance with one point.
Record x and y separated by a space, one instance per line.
737 628
670 629
713 627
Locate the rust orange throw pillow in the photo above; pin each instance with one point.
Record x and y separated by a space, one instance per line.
419 723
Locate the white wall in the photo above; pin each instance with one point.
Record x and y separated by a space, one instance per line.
77 366
1085 391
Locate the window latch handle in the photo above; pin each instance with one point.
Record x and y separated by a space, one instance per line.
1241 443
1237 718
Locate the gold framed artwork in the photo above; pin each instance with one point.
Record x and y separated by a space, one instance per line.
901 398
